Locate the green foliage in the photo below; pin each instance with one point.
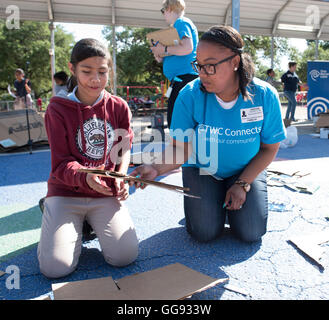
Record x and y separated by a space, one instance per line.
136 65
309 55
28 48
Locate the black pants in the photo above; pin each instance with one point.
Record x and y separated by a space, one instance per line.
177 86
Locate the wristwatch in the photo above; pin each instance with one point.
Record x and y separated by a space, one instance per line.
245 185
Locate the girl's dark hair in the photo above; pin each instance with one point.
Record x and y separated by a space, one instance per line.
230 38
88 48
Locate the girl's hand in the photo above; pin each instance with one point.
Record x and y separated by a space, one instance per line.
235 197
144 172
121 189
96 184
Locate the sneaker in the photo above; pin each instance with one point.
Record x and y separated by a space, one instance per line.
41 204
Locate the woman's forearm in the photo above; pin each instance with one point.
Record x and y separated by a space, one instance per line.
260 162
176 154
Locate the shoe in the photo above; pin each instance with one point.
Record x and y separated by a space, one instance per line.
41 204
88 232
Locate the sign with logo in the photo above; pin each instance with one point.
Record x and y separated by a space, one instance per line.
318 82
14 128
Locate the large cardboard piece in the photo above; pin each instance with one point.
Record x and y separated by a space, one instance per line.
323 121
167 37
14 129
172 282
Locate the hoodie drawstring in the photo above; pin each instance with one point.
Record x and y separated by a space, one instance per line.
83 139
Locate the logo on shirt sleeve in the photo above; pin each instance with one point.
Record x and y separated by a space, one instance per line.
252 114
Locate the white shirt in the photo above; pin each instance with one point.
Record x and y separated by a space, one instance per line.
226 105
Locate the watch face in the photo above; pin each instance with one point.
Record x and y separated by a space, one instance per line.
247 187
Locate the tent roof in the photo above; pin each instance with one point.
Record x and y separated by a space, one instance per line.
257 17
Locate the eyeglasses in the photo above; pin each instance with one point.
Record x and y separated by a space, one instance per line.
209 69
162 10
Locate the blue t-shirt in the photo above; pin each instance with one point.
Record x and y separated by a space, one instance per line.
225 140
174 66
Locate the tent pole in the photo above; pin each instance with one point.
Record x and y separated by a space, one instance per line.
272 52
52 54
114 47
235 14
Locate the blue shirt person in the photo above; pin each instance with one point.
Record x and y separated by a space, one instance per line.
226 130
177 59
226 140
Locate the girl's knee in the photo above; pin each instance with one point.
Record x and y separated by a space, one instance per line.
54 268
123 256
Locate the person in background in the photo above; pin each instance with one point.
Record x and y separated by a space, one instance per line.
226 129
271 79
177 60
88 128
61 78
22 90
290 82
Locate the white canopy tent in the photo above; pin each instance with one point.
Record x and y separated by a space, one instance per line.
306 19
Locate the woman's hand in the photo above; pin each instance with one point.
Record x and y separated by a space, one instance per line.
144 172
97 185
235 197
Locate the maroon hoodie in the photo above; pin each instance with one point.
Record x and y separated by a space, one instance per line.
65 120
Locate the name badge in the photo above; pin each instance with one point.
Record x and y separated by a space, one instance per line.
252 114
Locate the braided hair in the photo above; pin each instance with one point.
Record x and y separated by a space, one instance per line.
230 38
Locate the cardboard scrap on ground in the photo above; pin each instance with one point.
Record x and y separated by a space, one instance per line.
292 180
310 245
172 282
323 121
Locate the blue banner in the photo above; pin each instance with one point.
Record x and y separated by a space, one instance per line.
318 82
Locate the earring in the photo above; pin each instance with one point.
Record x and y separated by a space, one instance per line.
235 69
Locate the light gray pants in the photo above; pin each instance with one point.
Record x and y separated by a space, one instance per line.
61 233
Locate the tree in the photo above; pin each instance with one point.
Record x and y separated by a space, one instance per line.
135 63
28 48
259 47
309 55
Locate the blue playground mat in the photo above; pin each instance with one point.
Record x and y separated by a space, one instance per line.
268 269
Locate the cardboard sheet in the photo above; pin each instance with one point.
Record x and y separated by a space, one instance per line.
167 37
92 289
323 121
172 282
310 245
